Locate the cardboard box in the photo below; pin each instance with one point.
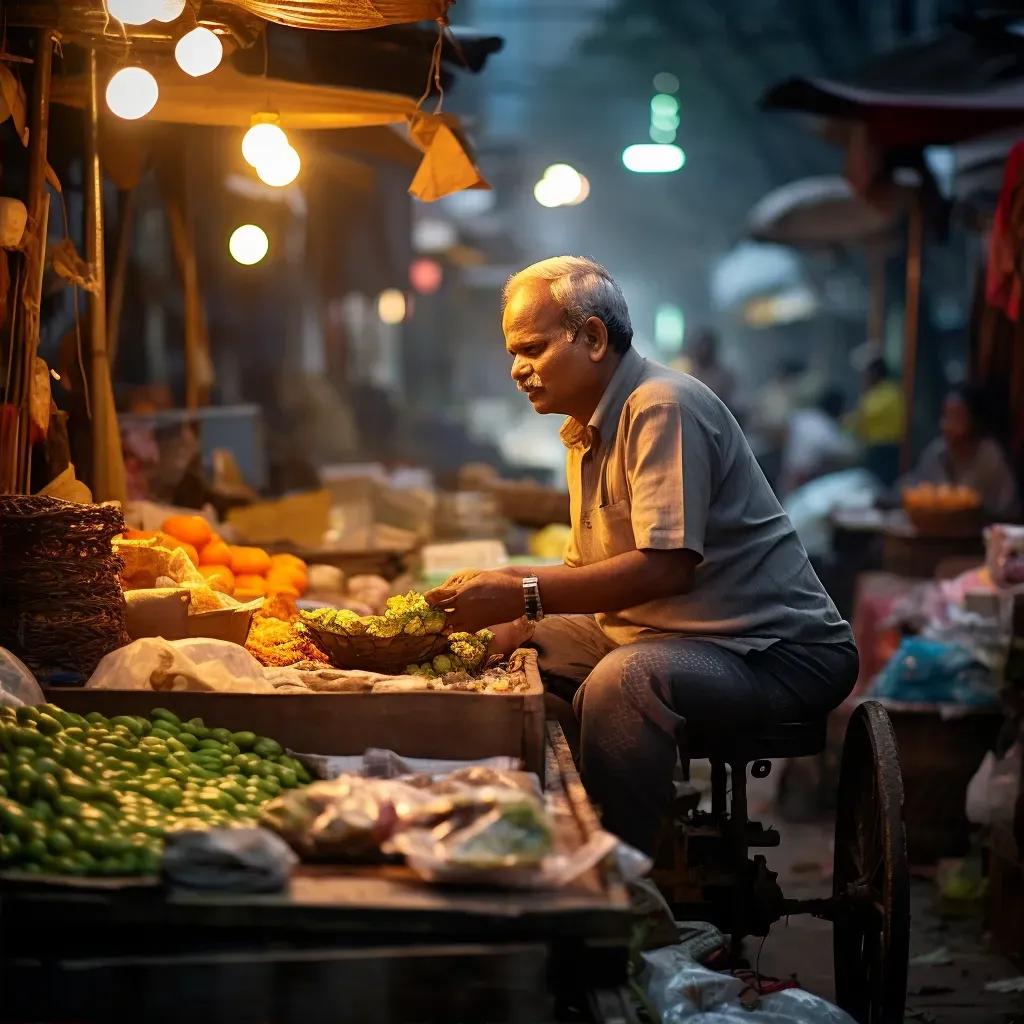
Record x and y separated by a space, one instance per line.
165 612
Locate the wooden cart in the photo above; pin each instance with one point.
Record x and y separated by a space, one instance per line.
363 945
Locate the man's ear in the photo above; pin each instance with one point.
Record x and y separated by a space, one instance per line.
595 337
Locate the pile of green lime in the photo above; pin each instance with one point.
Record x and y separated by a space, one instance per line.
97 796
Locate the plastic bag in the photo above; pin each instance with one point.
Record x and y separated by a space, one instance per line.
931 672
17 684
197 663
680 989
992 791
228 860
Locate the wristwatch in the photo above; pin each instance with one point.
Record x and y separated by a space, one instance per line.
531 592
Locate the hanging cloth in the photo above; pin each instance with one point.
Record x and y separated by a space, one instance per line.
1003 287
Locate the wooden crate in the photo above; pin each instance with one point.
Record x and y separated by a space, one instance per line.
429 724
939 757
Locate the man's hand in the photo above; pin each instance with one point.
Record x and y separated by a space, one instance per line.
479 600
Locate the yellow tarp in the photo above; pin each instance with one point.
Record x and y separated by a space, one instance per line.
228 98
345 14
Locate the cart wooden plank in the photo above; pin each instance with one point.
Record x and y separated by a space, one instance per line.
429 723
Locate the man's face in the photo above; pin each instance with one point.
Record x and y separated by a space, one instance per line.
554 371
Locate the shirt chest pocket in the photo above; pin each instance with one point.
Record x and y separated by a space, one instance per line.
606 531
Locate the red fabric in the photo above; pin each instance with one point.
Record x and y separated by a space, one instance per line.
1003 283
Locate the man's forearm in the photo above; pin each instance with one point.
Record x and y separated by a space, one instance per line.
627 580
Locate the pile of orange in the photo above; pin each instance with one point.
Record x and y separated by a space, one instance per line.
244 573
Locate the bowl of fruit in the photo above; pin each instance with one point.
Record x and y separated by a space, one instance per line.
943 510
409 632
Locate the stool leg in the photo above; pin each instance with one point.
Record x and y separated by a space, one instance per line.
719 782
738 848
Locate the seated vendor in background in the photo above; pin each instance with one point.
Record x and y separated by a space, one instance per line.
963 455
686 597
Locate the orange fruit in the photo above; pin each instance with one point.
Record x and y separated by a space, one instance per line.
283 583
290 562
193 555
194 530
140 534
287 576
249 561
248 587
220 578
216 552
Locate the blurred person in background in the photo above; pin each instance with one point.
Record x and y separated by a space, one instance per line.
965 455
705 366
877 422
816 444
774 405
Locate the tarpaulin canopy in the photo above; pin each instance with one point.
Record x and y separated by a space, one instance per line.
227 98
345 14
817 211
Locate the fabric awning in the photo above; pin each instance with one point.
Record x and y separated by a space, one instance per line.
228 98
345 14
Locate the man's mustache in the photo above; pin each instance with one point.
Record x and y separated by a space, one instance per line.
530 384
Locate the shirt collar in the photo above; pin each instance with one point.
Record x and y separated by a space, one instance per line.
605 420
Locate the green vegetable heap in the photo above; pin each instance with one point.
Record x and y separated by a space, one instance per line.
96 796
409 615
465 654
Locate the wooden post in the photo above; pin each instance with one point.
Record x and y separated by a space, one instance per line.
99 369
115 303
22 365
911 325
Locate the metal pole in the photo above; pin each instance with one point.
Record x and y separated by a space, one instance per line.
99 369
911 324
39 122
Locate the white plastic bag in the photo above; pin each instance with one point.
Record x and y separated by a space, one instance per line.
680 989
197 663
992 792
17 684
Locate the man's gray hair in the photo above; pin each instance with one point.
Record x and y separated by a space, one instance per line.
583 289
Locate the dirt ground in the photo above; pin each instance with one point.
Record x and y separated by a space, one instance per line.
950 992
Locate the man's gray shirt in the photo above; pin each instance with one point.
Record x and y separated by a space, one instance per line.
663 465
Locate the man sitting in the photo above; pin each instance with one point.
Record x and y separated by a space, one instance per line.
686 597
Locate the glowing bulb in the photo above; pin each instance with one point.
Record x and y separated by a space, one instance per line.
665 81
584 192
280 168
248 244
391 306
198 52
167 10
646 158
262 141
132 12
565 178
132 93
547 193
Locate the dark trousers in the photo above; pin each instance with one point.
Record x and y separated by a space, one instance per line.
630 701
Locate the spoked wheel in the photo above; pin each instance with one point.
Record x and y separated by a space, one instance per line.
871 879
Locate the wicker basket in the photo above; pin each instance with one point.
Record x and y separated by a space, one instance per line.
377 654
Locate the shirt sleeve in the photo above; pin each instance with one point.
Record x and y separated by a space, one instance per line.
995 481
668 463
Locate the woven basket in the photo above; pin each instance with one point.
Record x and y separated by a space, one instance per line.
377 654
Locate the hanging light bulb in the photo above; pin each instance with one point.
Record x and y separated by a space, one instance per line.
132 93
167 10
262 141
198 52
280 168
248 244
133 12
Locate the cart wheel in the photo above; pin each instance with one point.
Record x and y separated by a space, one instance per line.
871 879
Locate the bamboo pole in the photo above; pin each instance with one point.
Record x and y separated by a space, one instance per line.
99 368
116 301
912 317
22 368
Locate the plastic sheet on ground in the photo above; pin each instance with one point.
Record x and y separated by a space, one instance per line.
680 989
194 664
